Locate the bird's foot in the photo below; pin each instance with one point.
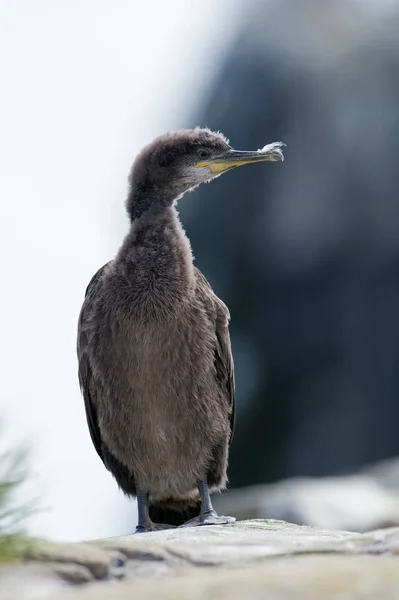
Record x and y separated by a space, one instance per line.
142 529
161 526
153 527
208 518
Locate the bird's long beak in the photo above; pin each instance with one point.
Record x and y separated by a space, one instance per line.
237 158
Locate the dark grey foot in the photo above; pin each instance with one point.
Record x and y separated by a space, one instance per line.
161 526
208 515
208 518
153 527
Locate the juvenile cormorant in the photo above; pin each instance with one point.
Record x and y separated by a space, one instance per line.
155 363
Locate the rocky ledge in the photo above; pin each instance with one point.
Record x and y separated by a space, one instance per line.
249 559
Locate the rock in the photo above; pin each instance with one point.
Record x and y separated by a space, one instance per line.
249 559
93 558
73 573
358 502
305 578
385 473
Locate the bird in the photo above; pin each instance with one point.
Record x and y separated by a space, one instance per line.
155 363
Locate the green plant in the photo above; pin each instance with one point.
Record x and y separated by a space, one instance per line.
13 514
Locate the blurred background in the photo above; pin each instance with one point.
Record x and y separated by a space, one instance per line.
305 253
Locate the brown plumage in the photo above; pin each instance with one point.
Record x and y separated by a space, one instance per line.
155 363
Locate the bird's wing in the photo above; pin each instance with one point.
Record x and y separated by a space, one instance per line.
84 370
223 355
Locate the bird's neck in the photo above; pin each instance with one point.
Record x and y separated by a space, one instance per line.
157 256
146 200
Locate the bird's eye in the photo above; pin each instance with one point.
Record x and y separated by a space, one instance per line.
203 154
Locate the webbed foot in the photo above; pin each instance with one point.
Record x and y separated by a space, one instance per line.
209 518
153 527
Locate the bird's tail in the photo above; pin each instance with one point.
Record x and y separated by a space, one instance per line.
174 512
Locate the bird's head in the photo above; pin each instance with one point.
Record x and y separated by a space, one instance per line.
179 161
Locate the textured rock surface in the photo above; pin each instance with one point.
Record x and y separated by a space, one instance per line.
251 559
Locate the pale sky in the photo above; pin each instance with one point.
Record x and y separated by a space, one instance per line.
84 84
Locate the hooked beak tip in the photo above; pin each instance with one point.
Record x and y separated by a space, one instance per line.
274 151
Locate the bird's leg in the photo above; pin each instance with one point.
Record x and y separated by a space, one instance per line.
145 524
208 515
207 509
